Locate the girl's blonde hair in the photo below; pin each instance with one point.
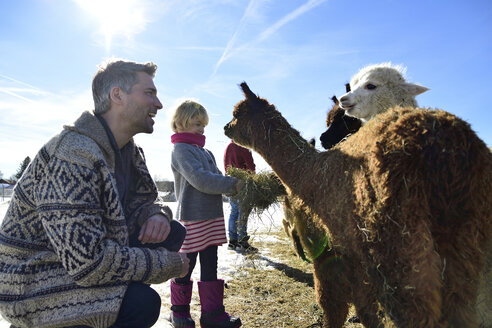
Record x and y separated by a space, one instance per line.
187 111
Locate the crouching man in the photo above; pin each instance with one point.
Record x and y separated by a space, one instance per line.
84 234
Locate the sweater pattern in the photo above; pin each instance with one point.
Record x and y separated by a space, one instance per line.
64 253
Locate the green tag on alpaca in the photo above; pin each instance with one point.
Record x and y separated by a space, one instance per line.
318 247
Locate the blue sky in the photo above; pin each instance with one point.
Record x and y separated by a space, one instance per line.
297 54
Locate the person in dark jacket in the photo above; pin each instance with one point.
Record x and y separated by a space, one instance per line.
241 158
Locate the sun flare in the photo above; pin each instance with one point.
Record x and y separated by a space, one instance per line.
117 18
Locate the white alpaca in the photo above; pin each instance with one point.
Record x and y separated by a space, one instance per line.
377 88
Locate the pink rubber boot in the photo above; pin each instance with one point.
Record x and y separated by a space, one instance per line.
213 311
180 305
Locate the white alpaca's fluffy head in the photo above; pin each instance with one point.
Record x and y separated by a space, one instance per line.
376 88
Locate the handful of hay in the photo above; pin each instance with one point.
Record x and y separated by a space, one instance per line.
260 190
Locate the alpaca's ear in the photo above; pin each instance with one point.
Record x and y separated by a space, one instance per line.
247 91
347 87
335 100
252 99
414 89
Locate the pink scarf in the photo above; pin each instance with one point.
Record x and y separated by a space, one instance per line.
189 138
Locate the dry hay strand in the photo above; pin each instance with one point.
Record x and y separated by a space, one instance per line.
260 190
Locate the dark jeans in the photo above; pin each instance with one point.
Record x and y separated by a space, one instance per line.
238 222
208 265
141 307
141 304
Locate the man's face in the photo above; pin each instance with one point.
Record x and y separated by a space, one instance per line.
142 105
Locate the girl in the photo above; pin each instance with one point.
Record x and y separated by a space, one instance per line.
199 186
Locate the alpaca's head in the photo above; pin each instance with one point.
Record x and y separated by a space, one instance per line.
249 115
335 113
376 88
338 125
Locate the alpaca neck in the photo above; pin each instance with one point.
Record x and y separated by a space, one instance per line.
289 155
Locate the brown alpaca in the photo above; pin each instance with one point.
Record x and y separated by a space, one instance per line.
336 275
408 197
339 127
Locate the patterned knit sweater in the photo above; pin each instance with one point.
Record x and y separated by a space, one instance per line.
64 254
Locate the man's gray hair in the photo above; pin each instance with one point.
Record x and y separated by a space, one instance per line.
116 73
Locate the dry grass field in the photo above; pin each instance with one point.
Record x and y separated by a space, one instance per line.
278 295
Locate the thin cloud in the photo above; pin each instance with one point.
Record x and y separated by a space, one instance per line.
14 94
17 81
11 87
25 127
230 50
249 11
44 112
196 48
311 4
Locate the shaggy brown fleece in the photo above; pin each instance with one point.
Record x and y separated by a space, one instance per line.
408 197
336 275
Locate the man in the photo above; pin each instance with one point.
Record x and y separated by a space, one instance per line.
84 234
241 158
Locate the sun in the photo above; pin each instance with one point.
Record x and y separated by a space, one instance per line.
116 18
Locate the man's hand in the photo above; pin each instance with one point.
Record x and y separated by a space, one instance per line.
155 229
186 265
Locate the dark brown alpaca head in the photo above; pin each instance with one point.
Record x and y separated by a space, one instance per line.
336 112
249 115
338 124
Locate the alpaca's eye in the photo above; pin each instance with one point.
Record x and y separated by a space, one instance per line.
236 114
370 86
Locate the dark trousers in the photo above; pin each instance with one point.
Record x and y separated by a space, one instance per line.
208 265
141 304
141 307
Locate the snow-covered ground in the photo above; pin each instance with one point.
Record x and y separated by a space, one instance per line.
229 261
